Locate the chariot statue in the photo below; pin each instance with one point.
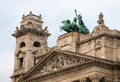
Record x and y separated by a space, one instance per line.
77 25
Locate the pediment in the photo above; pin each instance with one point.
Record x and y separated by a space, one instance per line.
55 61
59 61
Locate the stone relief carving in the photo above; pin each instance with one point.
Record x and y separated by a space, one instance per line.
98 43
96 31
58 62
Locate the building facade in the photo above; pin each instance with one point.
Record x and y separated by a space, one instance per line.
77 57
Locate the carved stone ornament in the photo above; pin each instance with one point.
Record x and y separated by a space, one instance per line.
97 31
98 43
60 62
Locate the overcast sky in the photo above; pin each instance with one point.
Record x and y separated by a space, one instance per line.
53 12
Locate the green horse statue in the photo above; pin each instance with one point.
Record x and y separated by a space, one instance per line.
70 27
66 26
74 27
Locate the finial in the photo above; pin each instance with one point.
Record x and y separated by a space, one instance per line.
23 16
46 30
101 15
30 12
17 28
40 16
100 21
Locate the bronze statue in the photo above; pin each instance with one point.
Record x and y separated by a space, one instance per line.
66 26
74 27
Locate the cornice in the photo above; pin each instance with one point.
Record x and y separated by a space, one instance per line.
98 35
110 66
107 64
30 30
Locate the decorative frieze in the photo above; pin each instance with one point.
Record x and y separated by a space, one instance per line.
59 62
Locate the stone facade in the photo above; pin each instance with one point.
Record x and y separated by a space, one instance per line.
77 57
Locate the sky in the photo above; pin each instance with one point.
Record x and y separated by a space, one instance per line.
53 12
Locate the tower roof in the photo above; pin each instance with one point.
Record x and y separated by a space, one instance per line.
31 16
31 23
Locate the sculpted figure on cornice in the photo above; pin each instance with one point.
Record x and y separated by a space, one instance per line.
100 21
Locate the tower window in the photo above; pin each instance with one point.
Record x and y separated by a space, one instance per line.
21 62
29 23
22 44
36 44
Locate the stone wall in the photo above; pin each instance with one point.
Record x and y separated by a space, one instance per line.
102 43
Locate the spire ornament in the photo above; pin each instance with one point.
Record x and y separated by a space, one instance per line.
23 16
30 12
100 21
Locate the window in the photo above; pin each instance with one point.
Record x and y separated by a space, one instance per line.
22 44
29 23
36 44
21 62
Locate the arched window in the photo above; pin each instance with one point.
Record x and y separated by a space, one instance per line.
29 23
22 44
36 44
